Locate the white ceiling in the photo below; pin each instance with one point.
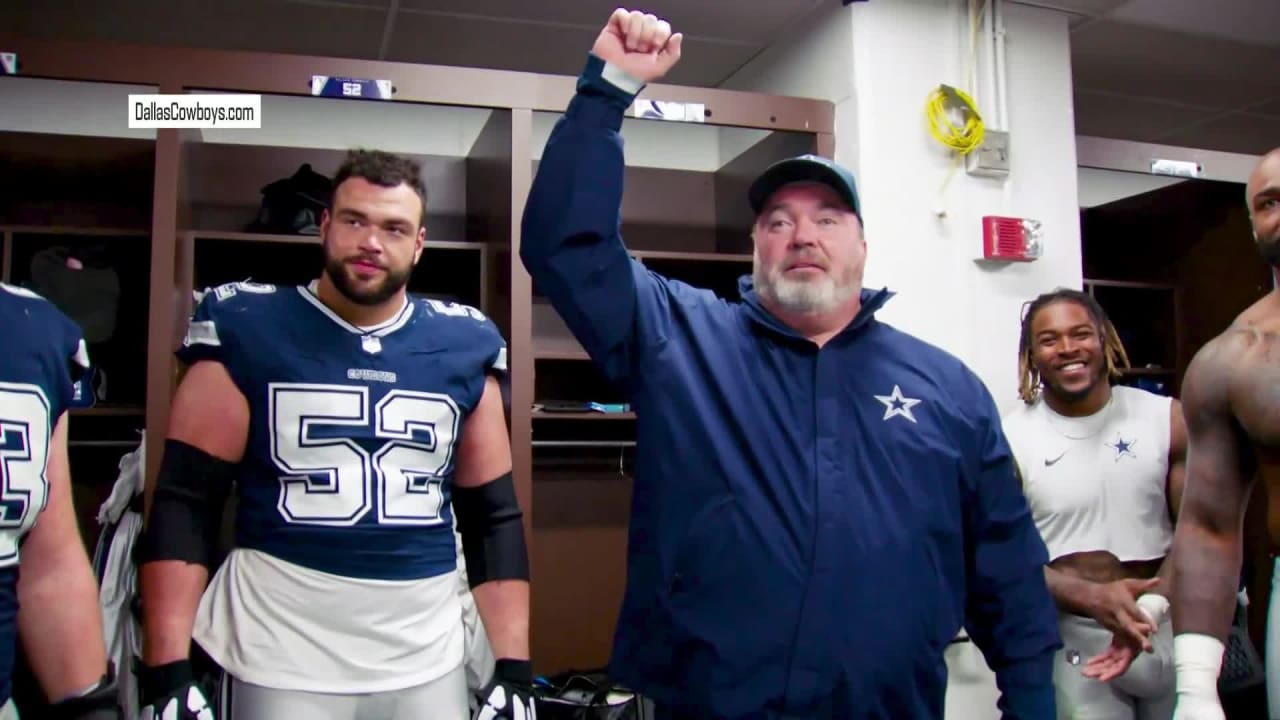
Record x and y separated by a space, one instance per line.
1197 73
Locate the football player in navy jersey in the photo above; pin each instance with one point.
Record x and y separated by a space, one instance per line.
355 423
48 593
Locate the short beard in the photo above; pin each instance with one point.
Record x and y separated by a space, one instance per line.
803 297
337 270
1269 248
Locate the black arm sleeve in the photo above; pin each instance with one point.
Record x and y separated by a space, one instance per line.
492 529
186 506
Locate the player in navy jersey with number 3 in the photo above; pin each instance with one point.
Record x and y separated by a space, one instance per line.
355 422
47 590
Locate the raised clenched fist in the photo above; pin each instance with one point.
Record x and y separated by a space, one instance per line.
639 44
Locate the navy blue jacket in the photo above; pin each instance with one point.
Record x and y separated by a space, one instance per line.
810 527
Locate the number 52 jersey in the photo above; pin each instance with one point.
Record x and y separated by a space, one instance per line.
344 577
353 430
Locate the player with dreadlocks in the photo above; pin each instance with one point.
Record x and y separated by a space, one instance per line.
1102 467
1117 360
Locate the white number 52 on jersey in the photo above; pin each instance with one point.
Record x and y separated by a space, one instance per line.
331 480
24 451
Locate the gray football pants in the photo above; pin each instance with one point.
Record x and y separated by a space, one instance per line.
1146 691
445 698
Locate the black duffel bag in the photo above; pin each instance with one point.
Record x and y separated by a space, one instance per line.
586 696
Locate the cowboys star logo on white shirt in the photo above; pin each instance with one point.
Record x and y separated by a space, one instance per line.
1123 447
895 403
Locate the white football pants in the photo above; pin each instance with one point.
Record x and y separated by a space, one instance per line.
445 698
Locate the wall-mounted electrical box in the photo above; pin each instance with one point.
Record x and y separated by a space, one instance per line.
991 159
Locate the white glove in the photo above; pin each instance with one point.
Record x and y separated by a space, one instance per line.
1155 606
1197 661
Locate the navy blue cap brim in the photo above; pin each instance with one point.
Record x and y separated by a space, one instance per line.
795 170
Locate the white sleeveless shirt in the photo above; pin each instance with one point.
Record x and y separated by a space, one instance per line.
1097 482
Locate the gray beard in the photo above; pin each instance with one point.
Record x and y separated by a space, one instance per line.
803 297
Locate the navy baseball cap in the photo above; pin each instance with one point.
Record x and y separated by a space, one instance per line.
812 168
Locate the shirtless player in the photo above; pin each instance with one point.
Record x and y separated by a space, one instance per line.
1231 399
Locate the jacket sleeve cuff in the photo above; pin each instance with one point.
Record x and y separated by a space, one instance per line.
1026 689
605 91
1028 703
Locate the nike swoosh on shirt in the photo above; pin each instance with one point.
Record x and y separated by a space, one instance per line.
1048 462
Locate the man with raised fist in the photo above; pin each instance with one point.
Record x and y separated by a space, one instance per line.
821 501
